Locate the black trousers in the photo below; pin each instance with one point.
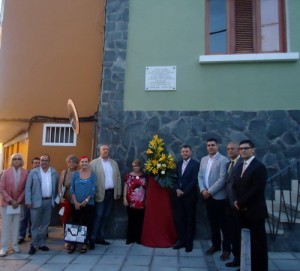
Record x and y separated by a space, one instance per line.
184 213
83 216
233 222
216 212
259 246
135 225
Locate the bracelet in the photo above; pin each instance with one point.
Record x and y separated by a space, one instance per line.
86 200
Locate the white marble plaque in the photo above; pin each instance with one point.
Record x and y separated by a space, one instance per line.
160 78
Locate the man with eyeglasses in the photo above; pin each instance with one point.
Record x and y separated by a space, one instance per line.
211 180
40 192
249 184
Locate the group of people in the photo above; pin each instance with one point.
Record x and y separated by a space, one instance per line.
232 189
84 191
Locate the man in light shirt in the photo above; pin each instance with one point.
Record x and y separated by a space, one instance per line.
40 192
108 188
211 180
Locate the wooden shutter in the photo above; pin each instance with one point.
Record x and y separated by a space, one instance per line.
244 28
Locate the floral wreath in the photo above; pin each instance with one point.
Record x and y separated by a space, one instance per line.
159 164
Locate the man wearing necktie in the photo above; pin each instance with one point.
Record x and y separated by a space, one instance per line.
231 212
250 202
185 199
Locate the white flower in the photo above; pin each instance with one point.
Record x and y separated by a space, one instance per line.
164 165
158 165
137 177
163 172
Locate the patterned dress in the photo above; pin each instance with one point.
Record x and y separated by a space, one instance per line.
136 191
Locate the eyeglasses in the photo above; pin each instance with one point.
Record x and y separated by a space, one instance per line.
17 159
245 148
44 160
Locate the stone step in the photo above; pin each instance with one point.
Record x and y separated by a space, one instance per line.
276 205
286 195
283 217
270 230
295 185
294 206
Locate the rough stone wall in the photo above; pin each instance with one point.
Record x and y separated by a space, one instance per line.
275 133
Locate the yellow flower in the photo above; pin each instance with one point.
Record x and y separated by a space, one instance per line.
159 163
154 171
149 151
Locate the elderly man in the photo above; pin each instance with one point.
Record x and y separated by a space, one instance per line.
108 187
40 192
211 179
233 154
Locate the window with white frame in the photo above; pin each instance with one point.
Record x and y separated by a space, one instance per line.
58 135
245 26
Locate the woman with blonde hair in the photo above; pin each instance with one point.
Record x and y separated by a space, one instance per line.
134 199
64 184
12 190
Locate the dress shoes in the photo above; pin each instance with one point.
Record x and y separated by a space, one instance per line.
32 250
225 255
21 241
102 242
179 245
3 252
233 264
189 248
43 248
212 250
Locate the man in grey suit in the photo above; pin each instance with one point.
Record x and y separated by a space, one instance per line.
211 180
108 188
232 215
40 192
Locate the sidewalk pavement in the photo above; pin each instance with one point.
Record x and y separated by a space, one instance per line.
121 257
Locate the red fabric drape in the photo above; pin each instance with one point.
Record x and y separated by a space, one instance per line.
158 228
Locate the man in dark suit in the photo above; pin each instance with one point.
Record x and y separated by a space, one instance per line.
231 212
249 184
185 199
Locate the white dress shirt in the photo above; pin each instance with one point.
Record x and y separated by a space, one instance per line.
46 182
108 173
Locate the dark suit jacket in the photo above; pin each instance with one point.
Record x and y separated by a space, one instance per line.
229 180
250 190
187 181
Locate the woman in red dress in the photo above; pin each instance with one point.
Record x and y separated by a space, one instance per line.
134 199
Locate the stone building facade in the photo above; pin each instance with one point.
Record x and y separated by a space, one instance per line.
275 132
